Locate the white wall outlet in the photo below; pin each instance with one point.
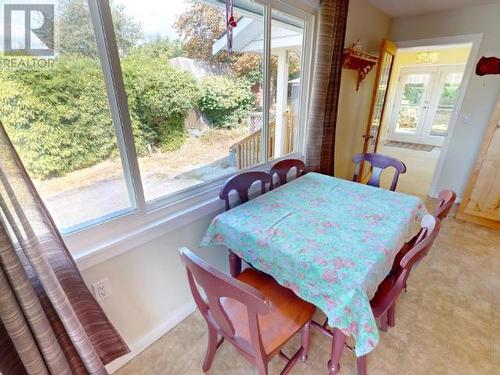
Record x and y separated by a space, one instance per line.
102 289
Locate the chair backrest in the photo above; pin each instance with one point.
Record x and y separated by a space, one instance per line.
446 200
430 227
241 183
217 285
283 167
379 162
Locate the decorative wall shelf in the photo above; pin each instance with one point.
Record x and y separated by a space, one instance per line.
360 61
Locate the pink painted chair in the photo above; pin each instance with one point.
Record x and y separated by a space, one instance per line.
389 290
283 167
379 163
241 184
253 312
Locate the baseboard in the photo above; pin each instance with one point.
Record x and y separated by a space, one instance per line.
139 346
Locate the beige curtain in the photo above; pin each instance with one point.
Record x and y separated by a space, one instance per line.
326 86
49 321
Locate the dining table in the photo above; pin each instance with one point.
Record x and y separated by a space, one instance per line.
329 240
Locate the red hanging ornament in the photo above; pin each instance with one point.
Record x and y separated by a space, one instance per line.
230 24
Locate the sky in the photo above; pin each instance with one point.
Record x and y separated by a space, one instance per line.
156 16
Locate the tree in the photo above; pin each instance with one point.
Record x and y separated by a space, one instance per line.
76 33
199 27
160 47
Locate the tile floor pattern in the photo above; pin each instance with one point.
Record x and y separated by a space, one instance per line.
447 323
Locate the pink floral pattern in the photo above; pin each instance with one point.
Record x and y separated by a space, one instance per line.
329 240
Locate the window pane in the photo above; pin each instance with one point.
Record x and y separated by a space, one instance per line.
286 50
447 100
56 112
196 111
412 101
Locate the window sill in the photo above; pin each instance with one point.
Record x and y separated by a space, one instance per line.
102 242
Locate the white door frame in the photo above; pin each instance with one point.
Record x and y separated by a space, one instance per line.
431 101
475 39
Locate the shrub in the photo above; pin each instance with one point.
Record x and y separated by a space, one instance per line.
160 97
59 117
60 121
225 101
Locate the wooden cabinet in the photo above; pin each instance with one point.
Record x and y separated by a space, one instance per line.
481 201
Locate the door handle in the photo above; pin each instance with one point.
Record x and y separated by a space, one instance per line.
367 136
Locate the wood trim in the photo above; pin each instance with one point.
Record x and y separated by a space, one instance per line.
386 47
488 138
493 224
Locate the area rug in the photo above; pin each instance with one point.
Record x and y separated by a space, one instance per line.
411 146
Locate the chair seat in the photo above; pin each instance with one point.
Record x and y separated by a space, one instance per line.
288 312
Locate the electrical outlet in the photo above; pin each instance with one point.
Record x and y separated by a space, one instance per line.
102 289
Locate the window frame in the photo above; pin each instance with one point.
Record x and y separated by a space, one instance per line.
147 220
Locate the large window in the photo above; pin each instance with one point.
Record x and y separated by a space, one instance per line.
56 112
140 101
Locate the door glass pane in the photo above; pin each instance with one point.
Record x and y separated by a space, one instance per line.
287 34
412 101
55 109
447 100
380 100
196 111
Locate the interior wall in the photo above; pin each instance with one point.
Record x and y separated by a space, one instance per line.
481 92
150 293
406 58
370 25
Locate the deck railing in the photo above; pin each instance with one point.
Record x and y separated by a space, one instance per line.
248 150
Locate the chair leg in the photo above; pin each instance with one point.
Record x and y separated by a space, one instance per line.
304 340
211 349
262 367
383 323
391 315
361 364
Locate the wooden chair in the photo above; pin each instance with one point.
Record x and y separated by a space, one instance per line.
241 183
283 167
446 200
253 312
379 162
384 301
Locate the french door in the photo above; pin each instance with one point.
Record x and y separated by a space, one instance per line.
424 103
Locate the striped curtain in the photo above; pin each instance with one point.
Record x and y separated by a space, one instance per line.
326 86
49 321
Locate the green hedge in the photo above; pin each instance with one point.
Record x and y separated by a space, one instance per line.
160 97
59 117
225 101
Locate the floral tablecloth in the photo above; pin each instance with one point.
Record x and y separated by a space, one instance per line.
331 241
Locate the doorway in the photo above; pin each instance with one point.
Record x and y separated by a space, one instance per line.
425 87
425 100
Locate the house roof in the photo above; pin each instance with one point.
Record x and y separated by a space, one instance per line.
248 36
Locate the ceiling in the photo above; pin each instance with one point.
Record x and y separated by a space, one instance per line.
398 8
